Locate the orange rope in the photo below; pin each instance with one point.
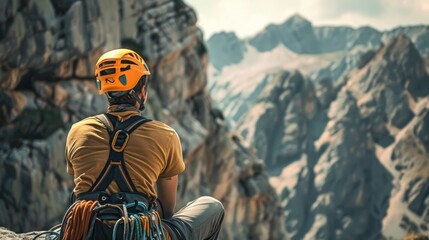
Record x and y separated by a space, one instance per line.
78 220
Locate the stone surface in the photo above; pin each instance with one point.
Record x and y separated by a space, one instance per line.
275 124
48 50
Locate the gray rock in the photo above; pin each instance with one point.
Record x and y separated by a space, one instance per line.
421 129
324 91
343 172
74 28
281 99
417 195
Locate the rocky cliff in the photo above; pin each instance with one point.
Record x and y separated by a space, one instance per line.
348 159
47 52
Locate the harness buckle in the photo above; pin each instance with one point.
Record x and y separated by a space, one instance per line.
120 141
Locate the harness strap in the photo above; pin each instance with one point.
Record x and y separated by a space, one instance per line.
119 198
115 169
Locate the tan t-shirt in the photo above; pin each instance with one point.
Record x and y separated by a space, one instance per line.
153 151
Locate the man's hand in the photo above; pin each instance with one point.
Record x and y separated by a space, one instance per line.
167 188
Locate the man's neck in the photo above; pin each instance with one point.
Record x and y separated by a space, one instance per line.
122 108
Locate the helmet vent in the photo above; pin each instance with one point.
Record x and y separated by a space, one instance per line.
128 62
107 71
126 68
106 63
136 56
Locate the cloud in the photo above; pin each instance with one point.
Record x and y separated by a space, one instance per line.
394 13
246 17
337 8
242 16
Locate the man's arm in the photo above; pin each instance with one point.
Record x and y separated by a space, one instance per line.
167 189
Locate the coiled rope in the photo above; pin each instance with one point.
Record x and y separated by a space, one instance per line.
77 220
145 225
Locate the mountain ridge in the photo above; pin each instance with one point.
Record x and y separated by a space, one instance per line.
304 38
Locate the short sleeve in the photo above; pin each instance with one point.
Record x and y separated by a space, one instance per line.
70 169
174 161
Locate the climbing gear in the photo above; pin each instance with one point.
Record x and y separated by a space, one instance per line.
119 133
119 70
134 221
133 215
77 220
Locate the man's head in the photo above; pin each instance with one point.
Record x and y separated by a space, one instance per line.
123 75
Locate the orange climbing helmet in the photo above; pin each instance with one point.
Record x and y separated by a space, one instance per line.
119 70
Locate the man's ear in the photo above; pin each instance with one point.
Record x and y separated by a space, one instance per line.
143 94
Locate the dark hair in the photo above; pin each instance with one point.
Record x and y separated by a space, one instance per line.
124 97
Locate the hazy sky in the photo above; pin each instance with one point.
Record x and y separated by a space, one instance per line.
246 17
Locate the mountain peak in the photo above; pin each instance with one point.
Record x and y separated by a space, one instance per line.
296 19
402 51
396 63
223 34
225 48
401 44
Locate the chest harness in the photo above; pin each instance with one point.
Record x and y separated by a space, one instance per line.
115 169
135 216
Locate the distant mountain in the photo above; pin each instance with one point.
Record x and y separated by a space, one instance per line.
301 37
296 33
225 49
239 68
348 159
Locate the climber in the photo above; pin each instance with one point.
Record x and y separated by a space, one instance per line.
118 157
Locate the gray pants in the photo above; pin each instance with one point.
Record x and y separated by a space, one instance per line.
200 219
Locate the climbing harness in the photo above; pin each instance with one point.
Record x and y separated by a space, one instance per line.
94 213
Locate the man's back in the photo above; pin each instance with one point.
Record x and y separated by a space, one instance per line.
141 154
153 151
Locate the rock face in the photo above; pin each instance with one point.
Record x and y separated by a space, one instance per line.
352 186
348 159
275 123
48 49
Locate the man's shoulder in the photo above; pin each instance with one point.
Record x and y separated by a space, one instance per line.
87 121
160 127
153 126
